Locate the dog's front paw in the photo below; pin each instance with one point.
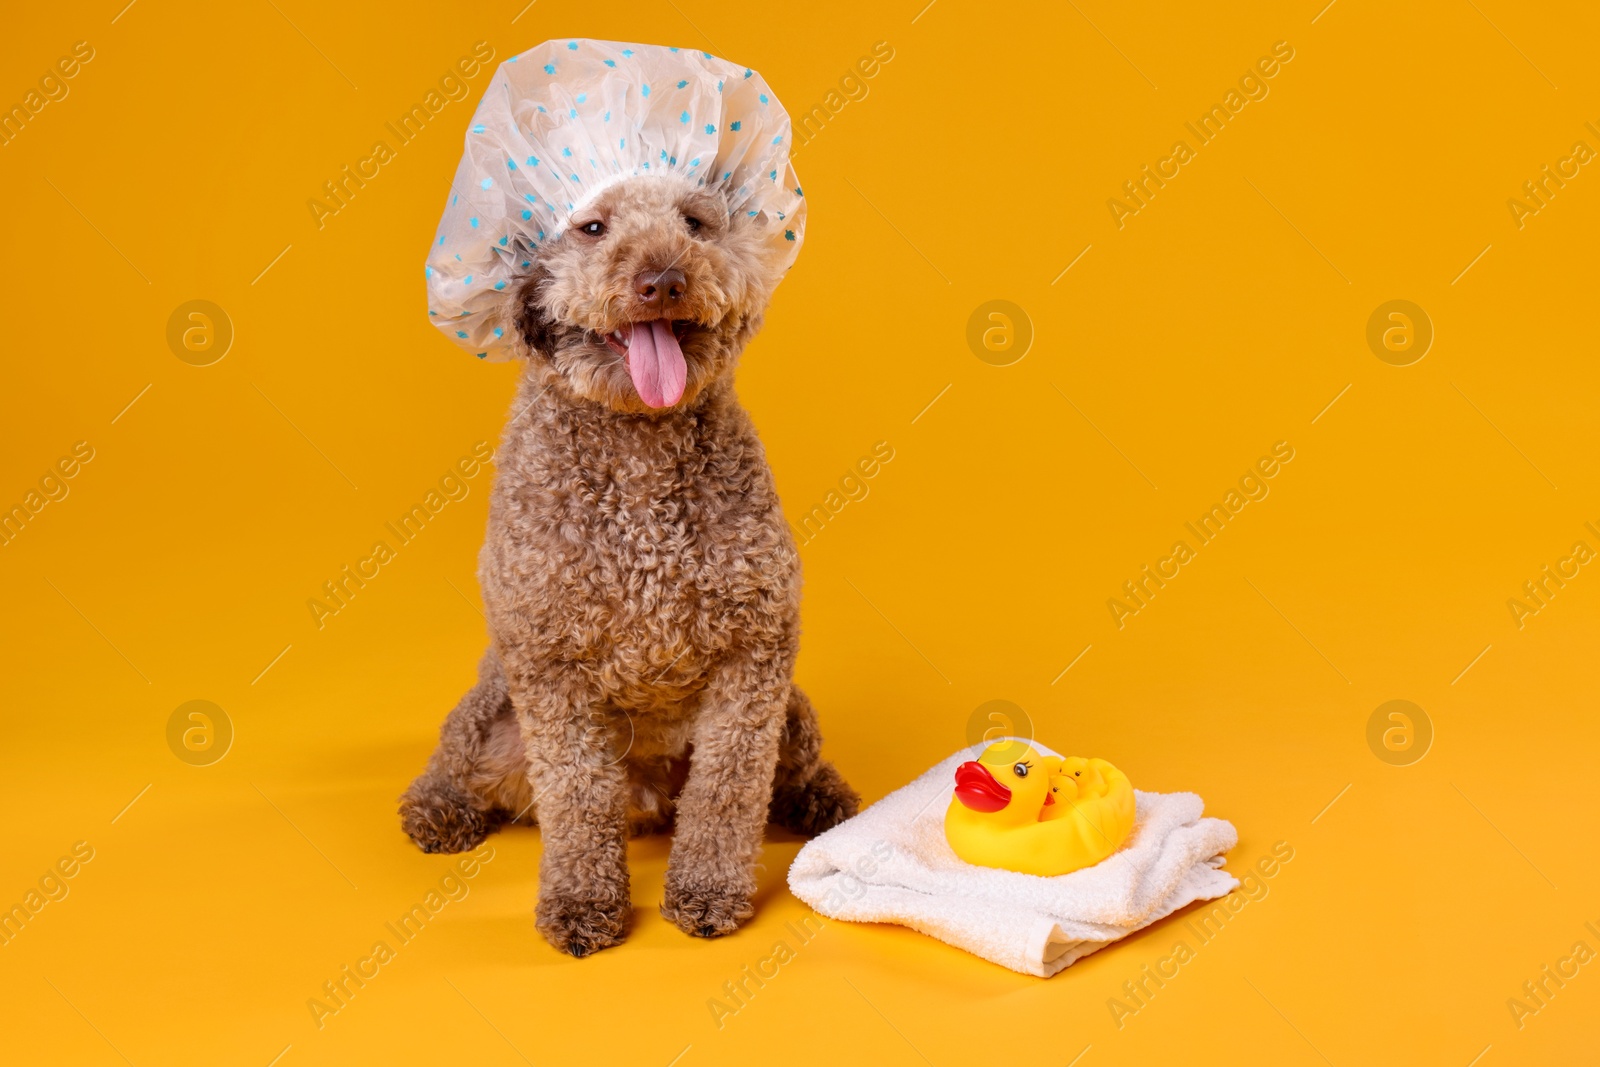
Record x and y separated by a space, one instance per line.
705 910
581 927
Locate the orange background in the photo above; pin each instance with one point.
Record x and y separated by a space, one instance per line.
1223 317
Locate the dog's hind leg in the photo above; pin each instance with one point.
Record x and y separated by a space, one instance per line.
477 778
809 795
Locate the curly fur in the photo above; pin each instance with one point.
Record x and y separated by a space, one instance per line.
643 595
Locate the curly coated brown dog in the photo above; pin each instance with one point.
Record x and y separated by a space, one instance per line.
641 585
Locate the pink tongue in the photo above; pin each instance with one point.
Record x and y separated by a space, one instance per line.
655 361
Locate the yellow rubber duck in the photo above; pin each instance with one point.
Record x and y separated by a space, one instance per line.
1046 815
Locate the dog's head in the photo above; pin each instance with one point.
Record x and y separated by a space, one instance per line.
648 296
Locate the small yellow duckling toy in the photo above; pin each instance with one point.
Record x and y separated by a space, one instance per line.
1046 815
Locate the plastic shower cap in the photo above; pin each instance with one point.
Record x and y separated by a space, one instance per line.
563 121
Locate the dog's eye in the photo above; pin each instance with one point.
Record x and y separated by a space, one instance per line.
593 229
693 223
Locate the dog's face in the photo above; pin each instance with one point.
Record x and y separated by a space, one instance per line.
649 295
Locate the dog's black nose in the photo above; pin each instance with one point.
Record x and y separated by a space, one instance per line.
660 290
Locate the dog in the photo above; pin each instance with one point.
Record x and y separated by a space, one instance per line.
641 584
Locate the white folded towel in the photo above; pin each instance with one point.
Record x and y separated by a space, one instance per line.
892 864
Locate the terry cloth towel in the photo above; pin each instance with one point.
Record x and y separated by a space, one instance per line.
892 864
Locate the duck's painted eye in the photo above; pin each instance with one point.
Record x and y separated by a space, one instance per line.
1020 770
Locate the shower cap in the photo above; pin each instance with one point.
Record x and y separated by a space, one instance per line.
563 121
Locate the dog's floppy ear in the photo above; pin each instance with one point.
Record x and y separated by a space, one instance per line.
538 332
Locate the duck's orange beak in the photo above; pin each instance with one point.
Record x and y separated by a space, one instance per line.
978 790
